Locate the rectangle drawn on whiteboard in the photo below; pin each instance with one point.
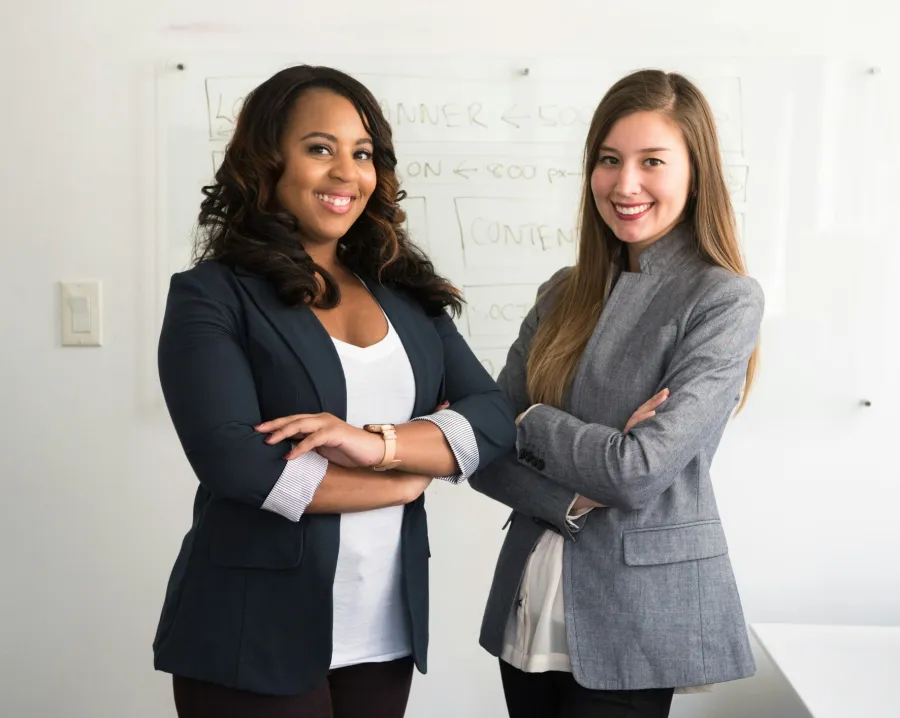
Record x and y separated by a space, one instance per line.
456 110
515 232
495 313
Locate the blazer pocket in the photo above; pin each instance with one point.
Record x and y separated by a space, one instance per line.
241 536
674 543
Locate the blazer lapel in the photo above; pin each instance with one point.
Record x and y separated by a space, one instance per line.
307 338
627 302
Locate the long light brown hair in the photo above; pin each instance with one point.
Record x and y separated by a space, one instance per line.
579 296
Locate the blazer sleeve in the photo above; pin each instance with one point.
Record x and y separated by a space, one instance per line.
475 399
507 480
211 397
704 378
461 437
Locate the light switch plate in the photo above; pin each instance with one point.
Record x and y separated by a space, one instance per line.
81 313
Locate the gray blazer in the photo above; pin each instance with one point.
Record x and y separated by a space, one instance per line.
650 597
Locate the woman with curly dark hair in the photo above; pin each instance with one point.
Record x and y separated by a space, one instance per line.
317 383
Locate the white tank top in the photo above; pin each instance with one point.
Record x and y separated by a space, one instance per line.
370 617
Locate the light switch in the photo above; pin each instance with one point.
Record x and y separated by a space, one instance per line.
81 314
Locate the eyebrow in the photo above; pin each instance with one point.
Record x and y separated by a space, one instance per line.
646 150
332 138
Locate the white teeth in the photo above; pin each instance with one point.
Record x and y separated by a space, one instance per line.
633 210
336 201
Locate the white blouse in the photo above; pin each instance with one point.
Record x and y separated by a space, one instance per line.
369 622
535 639
369 619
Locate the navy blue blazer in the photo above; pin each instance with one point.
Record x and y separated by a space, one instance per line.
249 600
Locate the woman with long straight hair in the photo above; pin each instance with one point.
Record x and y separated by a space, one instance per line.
614 586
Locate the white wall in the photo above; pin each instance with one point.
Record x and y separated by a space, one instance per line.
96 493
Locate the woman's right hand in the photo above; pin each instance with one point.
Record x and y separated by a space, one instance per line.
647 410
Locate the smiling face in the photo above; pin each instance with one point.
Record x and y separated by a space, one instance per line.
642 178
329 173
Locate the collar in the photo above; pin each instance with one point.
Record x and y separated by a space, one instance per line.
671 253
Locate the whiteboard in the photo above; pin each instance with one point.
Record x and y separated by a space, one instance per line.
490 153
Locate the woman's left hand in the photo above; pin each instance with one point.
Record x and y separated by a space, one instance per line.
336 440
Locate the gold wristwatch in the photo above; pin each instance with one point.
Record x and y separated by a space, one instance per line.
389 434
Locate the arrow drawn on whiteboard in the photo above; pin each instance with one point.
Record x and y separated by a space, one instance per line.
555 173
510 118
461 170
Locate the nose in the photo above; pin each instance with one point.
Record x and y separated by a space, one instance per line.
343 167
628 182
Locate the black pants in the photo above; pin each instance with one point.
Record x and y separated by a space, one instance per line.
555 694
369 690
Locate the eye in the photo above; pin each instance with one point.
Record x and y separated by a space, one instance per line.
653 162
319 150
364 155
608 160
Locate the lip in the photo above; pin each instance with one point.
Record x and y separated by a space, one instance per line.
632 217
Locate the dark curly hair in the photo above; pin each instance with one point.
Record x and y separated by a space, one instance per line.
241 223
